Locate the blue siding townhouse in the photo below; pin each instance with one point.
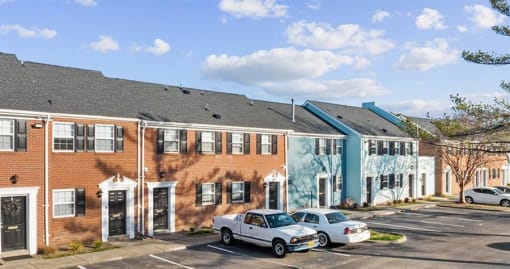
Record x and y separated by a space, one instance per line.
380 159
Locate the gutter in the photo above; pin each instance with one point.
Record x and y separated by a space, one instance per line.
142 178
46 183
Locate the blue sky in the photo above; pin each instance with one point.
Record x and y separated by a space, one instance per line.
404 55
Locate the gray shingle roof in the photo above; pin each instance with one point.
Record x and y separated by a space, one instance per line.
426 124
55 89
361 120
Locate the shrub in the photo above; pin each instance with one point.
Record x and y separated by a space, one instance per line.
365 204
76 247
406 200
98 244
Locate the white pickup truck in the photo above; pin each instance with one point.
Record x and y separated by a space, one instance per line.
268 228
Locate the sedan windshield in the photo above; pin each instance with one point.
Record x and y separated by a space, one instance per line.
335 217
279 220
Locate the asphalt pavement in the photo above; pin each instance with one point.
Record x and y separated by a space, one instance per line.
161 243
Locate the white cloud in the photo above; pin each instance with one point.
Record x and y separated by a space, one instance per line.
105 44
419 107
5 1
253 8
483 16
434 53
349 37
380 15
462 28
430 19
160 47
27 33
87 3
284 71
315 5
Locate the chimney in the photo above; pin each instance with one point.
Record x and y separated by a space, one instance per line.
293 110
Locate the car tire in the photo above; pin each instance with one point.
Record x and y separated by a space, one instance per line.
226 237
505 203
323 240
468 199
279 248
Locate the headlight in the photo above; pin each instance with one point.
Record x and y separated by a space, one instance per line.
315 236
293 240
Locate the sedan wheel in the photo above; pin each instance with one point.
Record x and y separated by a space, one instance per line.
469 200
505 203
323 240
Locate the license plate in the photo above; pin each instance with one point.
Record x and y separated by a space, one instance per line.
310 244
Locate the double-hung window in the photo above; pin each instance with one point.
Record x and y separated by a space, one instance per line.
322 146
105 138
237 143
208 193
237 192
6 135
171 141
397 148
63 203
265 144
207 142
384 182
63 136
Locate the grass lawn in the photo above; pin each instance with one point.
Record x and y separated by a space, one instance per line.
379 236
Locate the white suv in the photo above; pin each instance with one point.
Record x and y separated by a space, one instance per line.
487 195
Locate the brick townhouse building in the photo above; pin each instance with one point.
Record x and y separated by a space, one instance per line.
85 157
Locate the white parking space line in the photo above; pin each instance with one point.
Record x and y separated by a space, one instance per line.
445 211
405 227
171 262
81 267
430 222
331 252
415 214
244 255
463 219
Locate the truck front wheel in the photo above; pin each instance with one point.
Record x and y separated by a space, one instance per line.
226 237
279 248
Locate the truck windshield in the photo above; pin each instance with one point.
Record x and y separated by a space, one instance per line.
279 220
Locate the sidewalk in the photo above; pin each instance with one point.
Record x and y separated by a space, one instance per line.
164 243
127 249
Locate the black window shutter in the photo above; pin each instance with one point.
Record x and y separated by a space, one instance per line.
392 148
119 138
259 142
183 138
328 146
392 181
217 193
229 192
247 191
80 202
370 147
317 145
198 142
411 148
274 144
198 194
229 143
161 141
217 146
90 137
21 135
401 182
380 146
246 141
335 151
402 148
80 137
381 179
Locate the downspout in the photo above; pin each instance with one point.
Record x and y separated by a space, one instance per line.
138 169
286 173
46 184
143 176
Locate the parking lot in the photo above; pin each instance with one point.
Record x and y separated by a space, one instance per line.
436 238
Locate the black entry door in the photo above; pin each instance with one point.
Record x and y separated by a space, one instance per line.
13 223
160 208
322 192
369 190
117 212
273 195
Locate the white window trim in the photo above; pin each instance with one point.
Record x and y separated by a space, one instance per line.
387 185
269 143
213 193
242 192
397 148
237 143
386 147
178 140
101 138
12 134
53 140
213 142
322 146
55 204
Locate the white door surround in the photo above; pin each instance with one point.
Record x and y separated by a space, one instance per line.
327 189
274 176
171 204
